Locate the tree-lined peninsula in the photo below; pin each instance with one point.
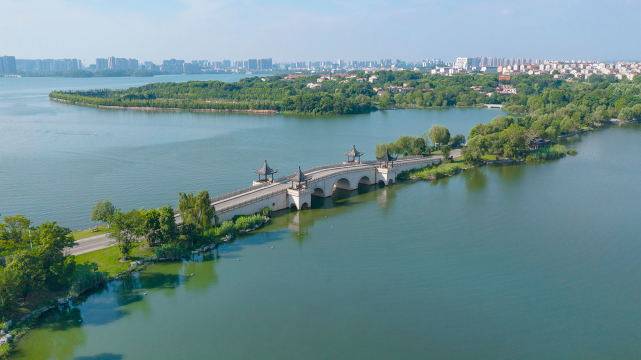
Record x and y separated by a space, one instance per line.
539 108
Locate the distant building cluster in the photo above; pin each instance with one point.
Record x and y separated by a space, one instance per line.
576 69
559 69
505 67
178 66
343 65
8 65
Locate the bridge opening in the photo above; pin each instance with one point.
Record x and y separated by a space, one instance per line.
364 185
364 181
381 183
304 206
293 207
318 192
343 184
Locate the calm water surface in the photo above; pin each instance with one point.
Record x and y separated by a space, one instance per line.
523 262
57 160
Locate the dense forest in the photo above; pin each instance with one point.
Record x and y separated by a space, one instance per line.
335 94
546 110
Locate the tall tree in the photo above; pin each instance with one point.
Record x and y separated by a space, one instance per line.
160 226
127 228
439 135
103 211
197 210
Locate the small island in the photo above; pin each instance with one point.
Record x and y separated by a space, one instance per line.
348 93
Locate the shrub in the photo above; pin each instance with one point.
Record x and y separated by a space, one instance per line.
547 153
170 251
86 277
226 228
248 222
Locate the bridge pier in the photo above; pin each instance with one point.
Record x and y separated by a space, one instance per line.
301 198
387 175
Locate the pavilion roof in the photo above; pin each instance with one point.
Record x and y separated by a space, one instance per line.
265 170
387 157
300 176
353 152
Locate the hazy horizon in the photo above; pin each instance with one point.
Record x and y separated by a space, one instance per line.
288 30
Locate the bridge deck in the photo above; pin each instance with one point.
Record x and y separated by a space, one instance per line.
257 193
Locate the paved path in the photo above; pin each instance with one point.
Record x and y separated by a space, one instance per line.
91 243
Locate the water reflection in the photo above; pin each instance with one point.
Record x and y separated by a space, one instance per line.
103 356
475 180
200 278
509 174
68 320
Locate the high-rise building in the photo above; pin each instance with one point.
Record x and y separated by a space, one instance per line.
8 65
251 64
102 64
265 64
193 67
48 66
172 66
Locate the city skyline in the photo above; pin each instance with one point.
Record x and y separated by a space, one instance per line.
292 31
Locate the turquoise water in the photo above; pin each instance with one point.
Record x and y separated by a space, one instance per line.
57 160
520 262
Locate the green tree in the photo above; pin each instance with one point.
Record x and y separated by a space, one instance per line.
457 141
197 210
52 240
445 151
127 228
160 226
8 292
103 211
439 135
15 234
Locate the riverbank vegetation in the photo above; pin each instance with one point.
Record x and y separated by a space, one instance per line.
352 93
542 113
35 270
559 105
436 172
436 140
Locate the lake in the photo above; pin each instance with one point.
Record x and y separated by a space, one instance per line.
516 262
58 160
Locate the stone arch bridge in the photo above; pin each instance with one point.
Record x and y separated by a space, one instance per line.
296 191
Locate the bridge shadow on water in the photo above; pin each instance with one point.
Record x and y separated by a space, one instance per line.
103 356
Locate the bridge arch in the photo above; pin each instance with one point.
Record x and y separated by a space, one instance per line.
304 206
364 180
319 192
341 183
381 183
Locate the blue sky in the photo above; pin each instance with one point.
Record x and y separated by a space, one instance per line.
329 29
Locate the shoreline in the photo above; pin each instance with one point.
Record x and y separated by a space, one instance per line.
153 109
24 325
161 109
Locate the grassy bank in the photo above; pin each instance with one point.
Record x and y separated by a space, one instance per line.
83 234
108 259
436 172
